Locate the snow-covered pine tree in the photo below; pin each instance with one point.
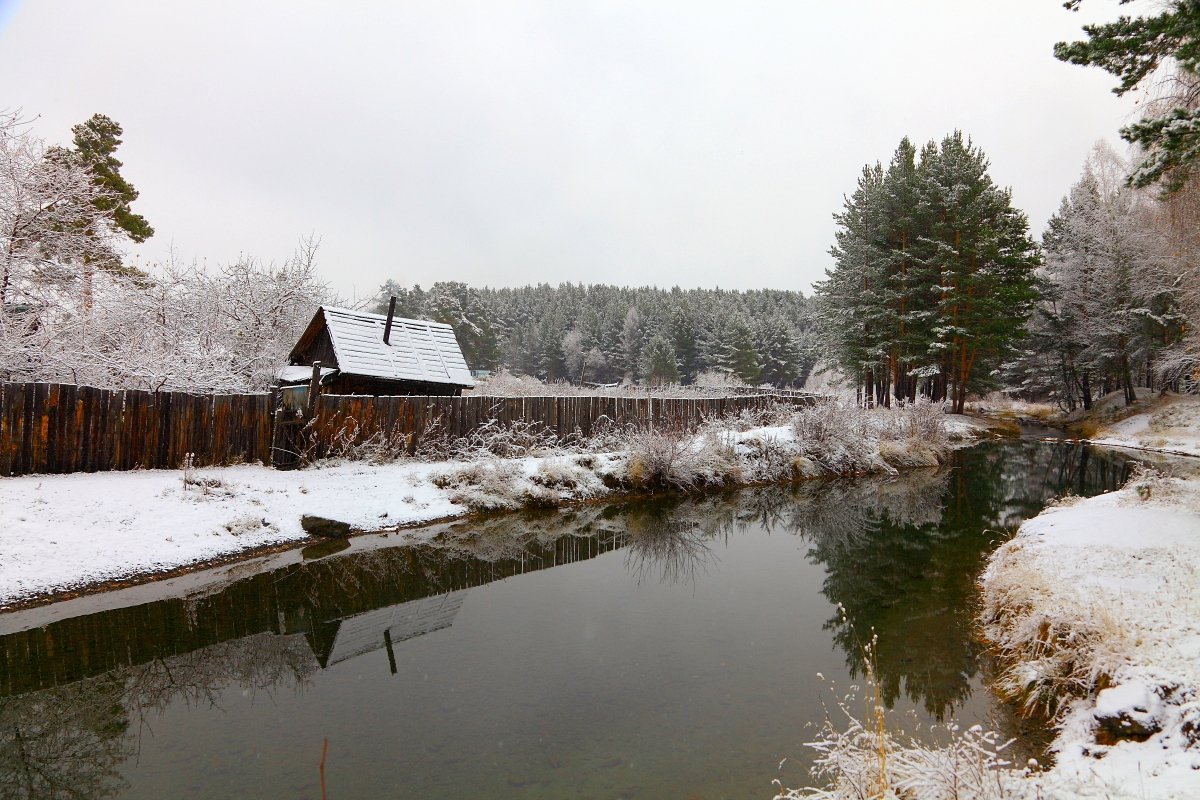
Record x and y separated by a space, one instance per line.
932 278
658 363
1110 302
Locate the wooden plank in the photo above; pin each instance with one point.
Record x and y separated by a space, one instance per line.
39 431
9 443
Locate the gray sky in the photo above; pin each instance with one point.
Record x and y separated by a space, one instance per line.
689 143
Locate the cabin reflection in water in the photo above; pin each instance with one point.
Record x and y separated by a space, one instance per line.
364 633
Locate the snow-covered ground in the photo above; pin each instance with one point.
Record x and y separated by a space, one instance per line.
1169 424
1096 604
64 532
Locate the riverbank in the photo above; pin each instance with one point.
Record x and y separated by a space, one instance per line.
1168 423
1090 612
68 533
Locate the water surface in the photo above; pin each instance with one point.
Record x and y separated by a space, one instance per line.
665 649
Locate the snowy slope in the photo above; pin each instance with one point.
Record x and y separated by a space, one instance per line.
1104 596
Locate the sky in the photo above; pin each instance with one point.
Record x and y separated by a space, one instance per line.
685 143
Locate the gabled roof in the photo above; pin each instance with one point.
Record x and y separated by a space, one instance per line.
419 350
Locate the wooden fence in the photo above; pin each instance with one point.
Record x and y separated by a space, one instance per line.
50 427
351 418
54 428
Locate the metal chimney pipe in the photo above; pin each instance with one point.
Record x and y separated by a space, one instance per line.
387 329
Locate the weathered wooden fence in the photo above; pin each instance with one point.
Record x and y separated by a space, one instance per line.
51 428
351 418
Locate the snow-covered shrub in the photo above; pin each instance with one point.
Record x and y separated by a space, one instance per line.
516 439
774 414
719 379
670 458
180 327
498 485
1049 652
876 759
768 457
1149 483
908 453
972 766
506 384
491 485
913 435
344 445
576 479
838 437
920 420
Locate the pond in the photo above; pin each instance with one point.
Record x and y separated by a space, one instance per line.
674 648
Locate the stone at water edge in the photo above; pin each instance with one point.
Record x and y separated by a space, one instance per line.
1131 711
328 528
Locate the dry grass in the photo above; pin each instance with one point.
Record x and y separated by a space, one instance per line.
1050 651
670 458
875 759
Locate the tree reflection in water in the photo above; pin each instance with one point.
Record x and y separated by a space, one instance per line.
67 742
900 558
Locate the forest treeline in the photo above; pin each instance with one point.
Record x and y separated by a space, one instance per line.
605 334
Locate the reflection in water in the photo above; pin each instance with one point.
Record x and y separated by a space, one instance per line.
904 567
899 556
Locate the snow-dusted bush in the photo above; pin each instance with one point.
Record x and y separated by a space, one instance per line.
919 420
838 437
771 415
505 384
857 761
1050 652
709 384
516 439
670 458
180 327
719 379
344 445
913 435
491 485
498 485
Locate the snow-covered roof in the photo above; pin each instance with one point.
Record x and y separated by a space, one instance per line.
419 350
301 374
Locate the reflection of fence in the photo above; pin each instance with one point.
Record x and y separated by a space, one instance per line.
47 427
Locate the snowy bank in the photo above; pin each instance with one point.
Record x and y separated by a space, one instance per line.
1167 424
65 532
1093 613
1093 610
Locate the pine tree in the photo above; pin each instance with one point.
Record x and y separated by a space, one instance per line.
1133 49
933 276
96 142
658 363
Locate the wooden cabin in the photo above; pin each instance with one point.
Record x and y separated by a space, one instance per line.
378 354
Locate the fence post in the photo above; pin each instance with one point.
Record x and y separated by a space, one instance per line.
314 386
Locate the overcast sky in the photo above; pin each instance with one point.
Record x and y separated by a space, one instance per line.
504 143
